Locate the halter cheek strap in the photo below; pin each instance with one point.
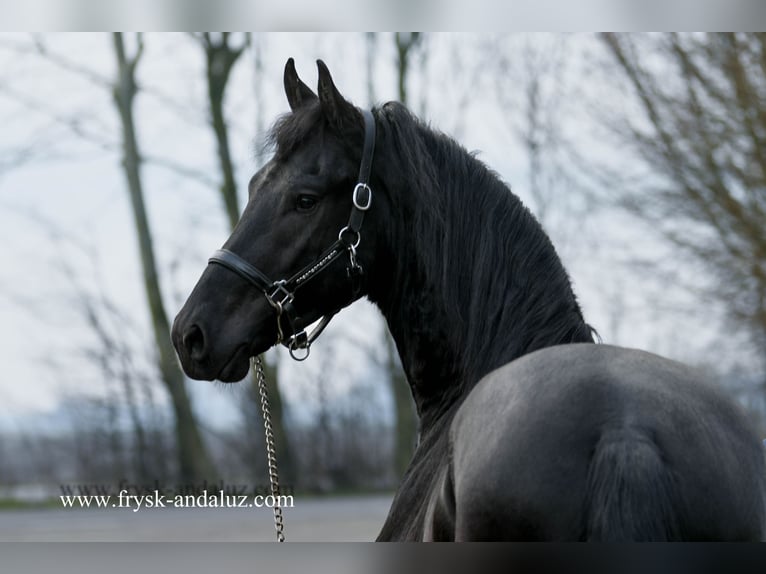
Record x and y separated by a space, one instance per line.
281 293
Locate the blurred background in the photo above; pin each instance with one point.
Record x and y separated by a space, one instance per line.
124 161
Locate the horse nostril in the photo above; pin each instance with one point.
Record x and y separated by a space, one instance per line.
194 342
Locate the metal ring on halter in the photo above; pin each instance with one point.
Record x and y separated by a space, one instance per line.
355 244
355 196
294 347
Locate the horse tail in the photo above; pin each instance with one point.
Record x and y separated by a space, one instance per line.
630 492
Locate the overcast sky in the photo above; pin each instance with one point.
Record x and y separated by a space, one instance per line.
63 202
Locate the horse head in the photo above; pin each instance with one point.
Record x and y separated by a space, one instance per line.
296 255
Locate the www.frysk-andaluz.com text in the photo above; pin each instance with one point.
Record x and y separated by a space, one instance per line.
157 499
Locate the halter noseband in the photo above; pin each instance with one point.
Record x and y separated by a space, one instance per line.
281 293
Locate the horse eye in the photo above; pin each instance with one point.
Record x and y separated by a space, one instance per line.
306 202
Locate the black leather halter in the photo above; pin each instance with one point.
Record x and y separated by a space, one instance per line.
281 293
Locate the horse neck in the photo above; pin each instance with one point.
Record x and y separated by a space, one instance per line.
471 283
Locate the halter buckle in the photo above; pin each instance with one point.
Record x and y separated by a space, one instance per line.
280 290
355 197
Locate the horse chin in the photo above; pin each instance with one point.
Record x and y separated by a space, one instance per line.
236 367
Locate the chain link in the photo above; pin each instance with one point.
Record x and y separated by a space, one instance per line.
271 455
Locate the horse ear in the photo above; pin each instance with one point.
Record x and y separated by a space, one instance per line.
341 113
297 92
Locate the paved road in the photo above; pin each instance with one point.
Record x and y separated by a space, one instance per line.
354 518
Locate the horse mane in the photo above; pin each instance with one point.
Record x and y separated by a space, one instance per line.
505 290
502 288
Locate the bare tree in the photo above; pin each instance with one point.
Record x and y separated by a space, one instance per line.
701 141
221 55
129 393
371 52
121 433
531 80
406 426
530 72
192 456
282 444
194 461
257 47
220 58
407 46
348 442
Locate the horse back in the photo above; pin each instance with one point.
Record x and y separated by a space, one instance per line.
598 442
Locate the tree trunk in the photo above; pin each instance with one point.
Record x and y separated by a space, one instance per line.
406 419
221 58
405 44
194 462
406 423
371 40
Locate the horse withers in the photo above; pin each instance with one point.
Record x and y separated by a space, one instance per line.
528 430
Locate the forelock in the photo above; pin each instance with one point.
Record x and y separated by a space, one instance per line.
291 129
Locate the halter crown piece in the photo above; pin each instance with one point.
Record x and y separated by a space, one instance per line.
281 293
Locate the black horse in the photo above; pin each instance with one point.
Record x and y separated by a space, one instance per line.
528 430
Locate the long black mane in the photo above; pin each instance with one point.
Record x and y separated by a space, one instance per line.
465 242
502 284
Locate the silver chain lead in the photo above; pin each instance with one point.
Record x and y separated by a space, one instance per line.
271 456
